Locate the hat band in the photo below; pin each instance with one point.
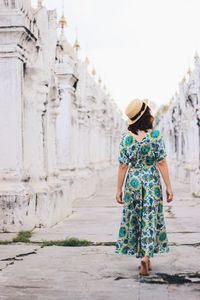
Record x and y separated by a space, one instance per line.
139 113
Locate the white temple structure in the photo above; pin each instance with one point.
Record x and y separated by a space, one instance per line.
59 129
180 125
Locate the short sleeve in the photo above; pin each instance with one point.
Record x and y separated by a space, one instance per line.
160 151
123 157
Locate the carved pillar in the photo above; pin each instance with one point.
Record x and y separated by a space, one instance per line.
54 102
16 42
83 138
35 144
198 124
65 124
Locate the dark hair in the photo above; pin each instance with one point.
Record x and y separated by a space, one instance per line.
143 123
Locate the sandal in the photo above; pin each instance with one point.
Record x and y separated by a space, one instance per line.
144 264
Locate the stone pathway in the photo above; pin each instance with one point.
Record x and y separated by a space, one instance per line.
96 272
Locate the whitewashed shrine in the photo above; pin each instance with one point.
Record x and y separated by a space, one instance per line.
181 128
59 129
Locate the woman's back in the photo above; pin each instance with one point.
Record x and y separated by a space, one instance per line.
144 153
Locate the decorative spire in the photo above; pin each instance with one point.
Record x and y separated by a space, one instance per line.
62 21
99 80
196 56
114 102
39 3
189 72
76 45
184 79
87 62
93 72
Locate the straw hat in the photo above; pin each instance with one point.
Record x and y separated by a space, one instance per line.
134 108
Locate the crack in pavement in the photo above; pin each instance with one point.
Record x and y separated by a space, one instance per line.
27 253
26 287
185 244
177 278
16 258
187 232
122 277
109 243
164 278
170 244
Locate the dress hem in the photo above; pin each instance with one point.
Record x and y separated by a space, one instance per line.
167 250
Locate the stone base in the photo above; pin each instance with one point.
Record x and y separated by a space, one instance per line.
195 183
186 175
36 207
45 204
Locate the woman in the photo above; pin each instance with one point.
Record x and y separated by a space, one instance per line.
142 152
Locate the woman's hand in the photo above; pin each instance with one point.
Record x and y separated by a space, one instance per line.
169 194
119 197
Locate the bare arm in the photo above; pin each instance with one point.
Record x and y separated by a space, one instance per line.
163 168
121 175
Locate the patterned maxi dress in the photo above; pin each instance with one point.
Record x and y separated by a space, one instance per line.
142 229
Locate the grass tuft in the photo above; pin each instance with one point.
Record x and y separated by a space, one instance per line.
195 195
5 242
23 237
69 242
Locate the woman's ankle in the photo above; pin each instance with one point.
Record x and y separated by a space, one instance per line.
146 258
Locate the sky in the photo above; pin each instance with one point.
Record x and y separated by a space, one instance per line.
139 48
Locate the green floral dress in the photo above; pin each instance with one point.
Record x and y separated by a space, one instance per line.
142 229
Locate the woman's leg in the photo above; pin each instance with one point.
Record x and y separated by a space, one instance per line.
150 266
147 258
144 268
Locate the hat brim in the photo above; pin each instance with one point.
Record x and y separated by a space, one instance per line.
146 101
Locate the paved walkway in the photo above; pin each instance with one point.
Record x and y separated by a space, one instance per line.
96 272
